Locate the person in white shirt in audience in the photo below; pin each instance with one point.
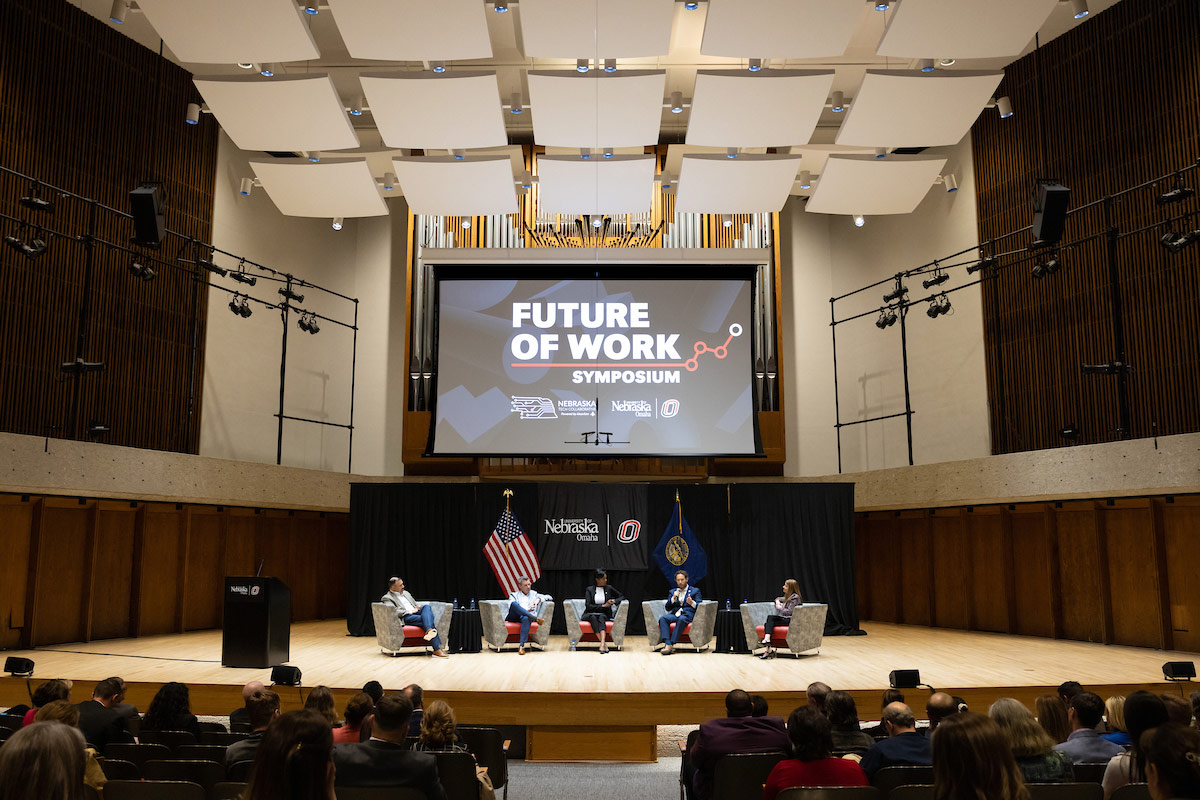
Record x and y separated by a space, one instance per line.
411 613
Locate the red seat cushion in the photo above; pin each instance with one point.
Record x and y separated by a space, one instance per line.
778 635
588 635
514 630
683 637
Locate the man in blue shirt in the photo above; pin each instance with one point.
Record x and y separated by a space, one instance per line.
1085 745
903 747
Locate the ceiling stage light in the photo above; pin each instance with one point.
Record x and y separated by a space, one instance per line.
838 102
859 220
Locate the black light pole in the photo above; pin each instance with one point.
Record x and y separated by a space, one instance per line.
78 366
285 307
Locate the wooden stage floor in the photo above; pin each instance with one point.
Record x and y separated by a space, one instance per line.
635 686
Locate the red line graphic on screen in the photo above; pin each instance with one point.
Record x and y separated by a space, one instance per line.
720 351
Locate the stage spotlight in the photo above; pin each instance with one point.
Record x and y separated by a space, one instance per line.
676 102
691 6
285 676
1180 192
355 109
193 114
516 106
904 678
859 220
240 305
882 5
938 306
438 66
1070 431
314 157
337 223
246 186
1004 106
241 276
731 152
389 181
119 9
1079 8
459 155
466 223
501 7
756 65
308 323
597 222
610 65
1046 266
311 9
140 270
881 152
927 65
207 263
35 202
31 249
837 102
887 318
1172 670
1175 243
986 262
805 179
585 153
266 70
896 294
950 182
288 294
939 277
18 667
608 152
582 65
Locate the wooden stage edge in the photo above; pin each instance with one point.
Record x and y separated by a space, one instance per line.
632 688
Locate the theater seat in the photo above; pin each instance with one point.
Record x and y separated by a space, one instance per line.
394 636
698 634
501 635
582 631
804 633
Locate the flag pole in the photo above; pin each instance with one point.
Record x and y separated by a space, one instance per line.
679 508
508 493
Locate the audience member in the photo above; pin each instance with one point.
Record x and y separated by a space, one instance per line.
737 732
1114 714
1084 744
63 712
48 692
239 716
128 711
903 745
848 736
812 762
44 760
100 723
1052 715
1143 711
383 760
294 761
320 700
889 696
1179 711
1195 698
939 706
170 710
358 708
1031 746
758 705
262 709
437 731
1067 691
972 761
374 690
416 696
816 694
1173 762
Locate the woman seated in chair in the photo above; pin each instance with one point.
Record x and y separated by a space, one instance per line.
437 730
170 710
600 602
973 761
1173 762
782 617
812 762
1031 745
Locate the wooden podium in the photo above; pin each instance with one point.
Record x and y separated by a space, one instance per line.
258 623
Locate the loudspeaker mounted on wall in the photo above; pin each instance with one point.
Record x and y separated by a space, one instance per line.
1050 211
146 204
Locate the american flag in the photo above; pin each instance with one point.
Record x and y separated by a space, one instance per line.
510 553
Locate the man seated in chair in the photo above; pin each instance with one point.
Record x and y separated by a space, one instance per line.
412 614
681 609
524 607
737 732
385 760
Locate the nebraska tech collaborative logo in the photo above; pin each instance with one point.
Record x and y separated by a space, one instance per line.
534 407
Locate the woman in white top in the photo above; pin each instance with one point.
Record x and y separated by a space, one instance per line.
1143 711
600 602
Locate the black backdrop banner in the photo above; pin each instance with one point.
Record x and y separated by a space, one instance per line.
756 535
584 526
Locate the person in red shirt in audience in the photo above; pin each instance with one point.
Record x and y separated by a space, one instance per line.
813 765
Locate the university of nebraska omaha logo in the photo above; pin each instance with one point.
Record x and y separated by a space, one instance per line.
628 531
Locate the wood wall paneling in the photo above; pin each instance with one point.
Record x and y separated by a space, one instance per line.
60 601
16 522
112 572
1079 570
159 565
205 582
989 557
307 566
1034 581
1133 577
951 583
1181 528
916 573
332 582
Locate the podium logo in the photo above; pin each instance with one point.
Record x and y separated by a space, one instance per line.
628 532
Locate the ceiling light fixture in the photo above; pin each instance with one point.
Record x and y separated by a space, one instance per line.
1004 106
1175 243
466 223
882 5
597 222
985 262
896 293
459 155
1047 266
34 200
193 114
31 249
356 107
939 277
119 9
581 65
1178 193
311 9
389 181
247 185
838 102
240 275
438 66
946 62
859 220
337 223
585 153
691 6
1079 8
608 152
240 304
516 106
805 179
207 263
140 270
731 152
727 220
501 7
938 306
246 65
926 65
950 182
887 318
266 70
308 323
881 152
676 102
288 294
756 65
610 65
314 157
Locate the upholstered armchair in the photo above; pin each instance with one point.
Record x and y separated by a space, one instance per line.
805 631
394 636
582 632
698 633
498 633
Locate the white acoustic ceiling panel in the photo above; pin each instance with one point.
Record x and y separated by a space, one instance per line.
596 29
873 186
620 109
617 185
914 109
764 109
427 110
232 31
715 184
413 30
289 112
963 28
441 185
343 188
780 28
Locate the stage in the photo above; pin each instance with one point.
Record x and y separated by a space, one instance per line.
627 692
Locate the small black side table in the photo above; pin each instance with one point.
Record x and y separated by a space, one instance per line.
466 631
730 635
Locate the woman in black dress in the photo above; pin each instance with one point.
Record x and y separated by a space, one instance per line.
600 602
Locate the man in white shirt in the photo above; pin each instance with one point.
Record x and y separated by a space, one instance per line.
411 613
523 606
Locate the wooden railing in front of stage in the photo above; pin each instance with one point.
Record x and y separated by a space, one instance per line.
78 569
1112 571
